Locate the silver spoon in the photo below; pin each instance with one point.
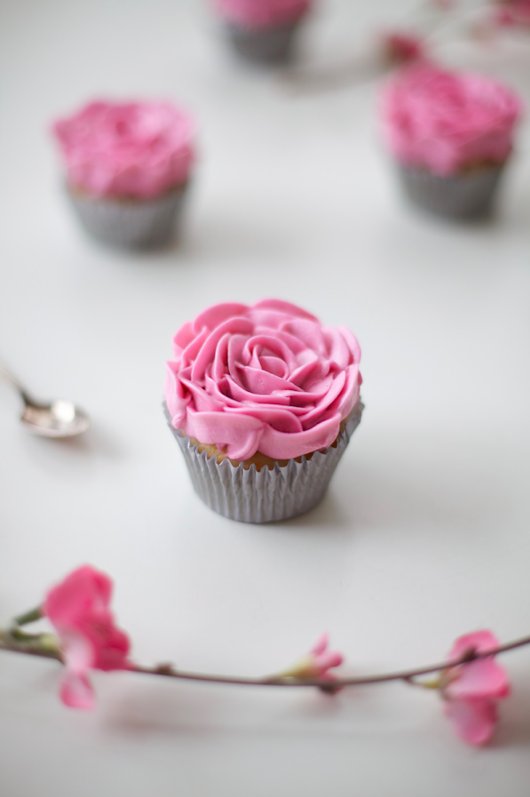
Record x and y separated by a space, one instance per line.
58 418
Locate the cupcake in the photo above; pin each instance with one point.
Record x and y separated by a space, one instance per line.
127 169
262 31
262 400
451 135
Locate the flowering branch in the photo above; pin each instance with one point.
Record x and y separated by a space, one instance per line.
470 682
167 670
412 37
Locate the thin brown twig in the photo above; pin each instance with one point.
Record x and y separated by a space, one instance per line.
168 671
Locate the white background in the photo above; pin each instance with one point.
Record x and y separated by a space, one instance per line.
424 533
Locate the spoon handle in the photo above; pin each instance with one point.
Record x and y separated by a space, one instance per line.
15 383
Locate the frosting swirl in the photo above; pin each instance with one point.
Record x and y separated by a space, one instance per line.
262 13
444 121
265 377
132 149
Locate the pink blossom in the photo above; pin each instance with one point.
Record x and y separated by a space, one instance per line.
471 691
512 13
317 663
324 659
401 48
78 608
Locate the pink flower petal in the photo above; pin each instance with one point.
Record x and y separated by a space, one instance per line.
321 644
78 653
481 641
76 691
78 607
401 46
473 721
317 662
482 679
324 661
72 596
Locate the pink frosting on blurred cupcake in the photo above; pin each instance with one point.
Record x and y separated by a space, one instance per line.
134 149
266 377
444 121
262 13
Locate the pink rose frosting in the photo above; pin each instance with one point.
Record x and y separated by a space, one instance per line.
266 377
262 13
132 149
444 121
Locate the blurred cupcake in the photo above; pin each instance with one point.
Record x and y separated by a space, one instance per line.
262 400
451 135
262 31
128 168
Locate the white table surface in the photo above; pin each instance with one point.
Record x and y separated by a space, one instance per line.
425 531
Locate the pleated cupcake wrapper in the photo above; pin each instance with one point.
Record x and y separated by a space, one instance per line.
467 195
262 496
129 224
267 46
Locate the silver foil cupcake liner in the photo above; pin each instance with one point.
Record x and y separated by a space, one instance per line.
130 224
468 195
268 46
262 496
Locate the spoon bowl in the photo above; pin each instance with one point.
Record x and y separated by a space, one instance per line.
59 419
